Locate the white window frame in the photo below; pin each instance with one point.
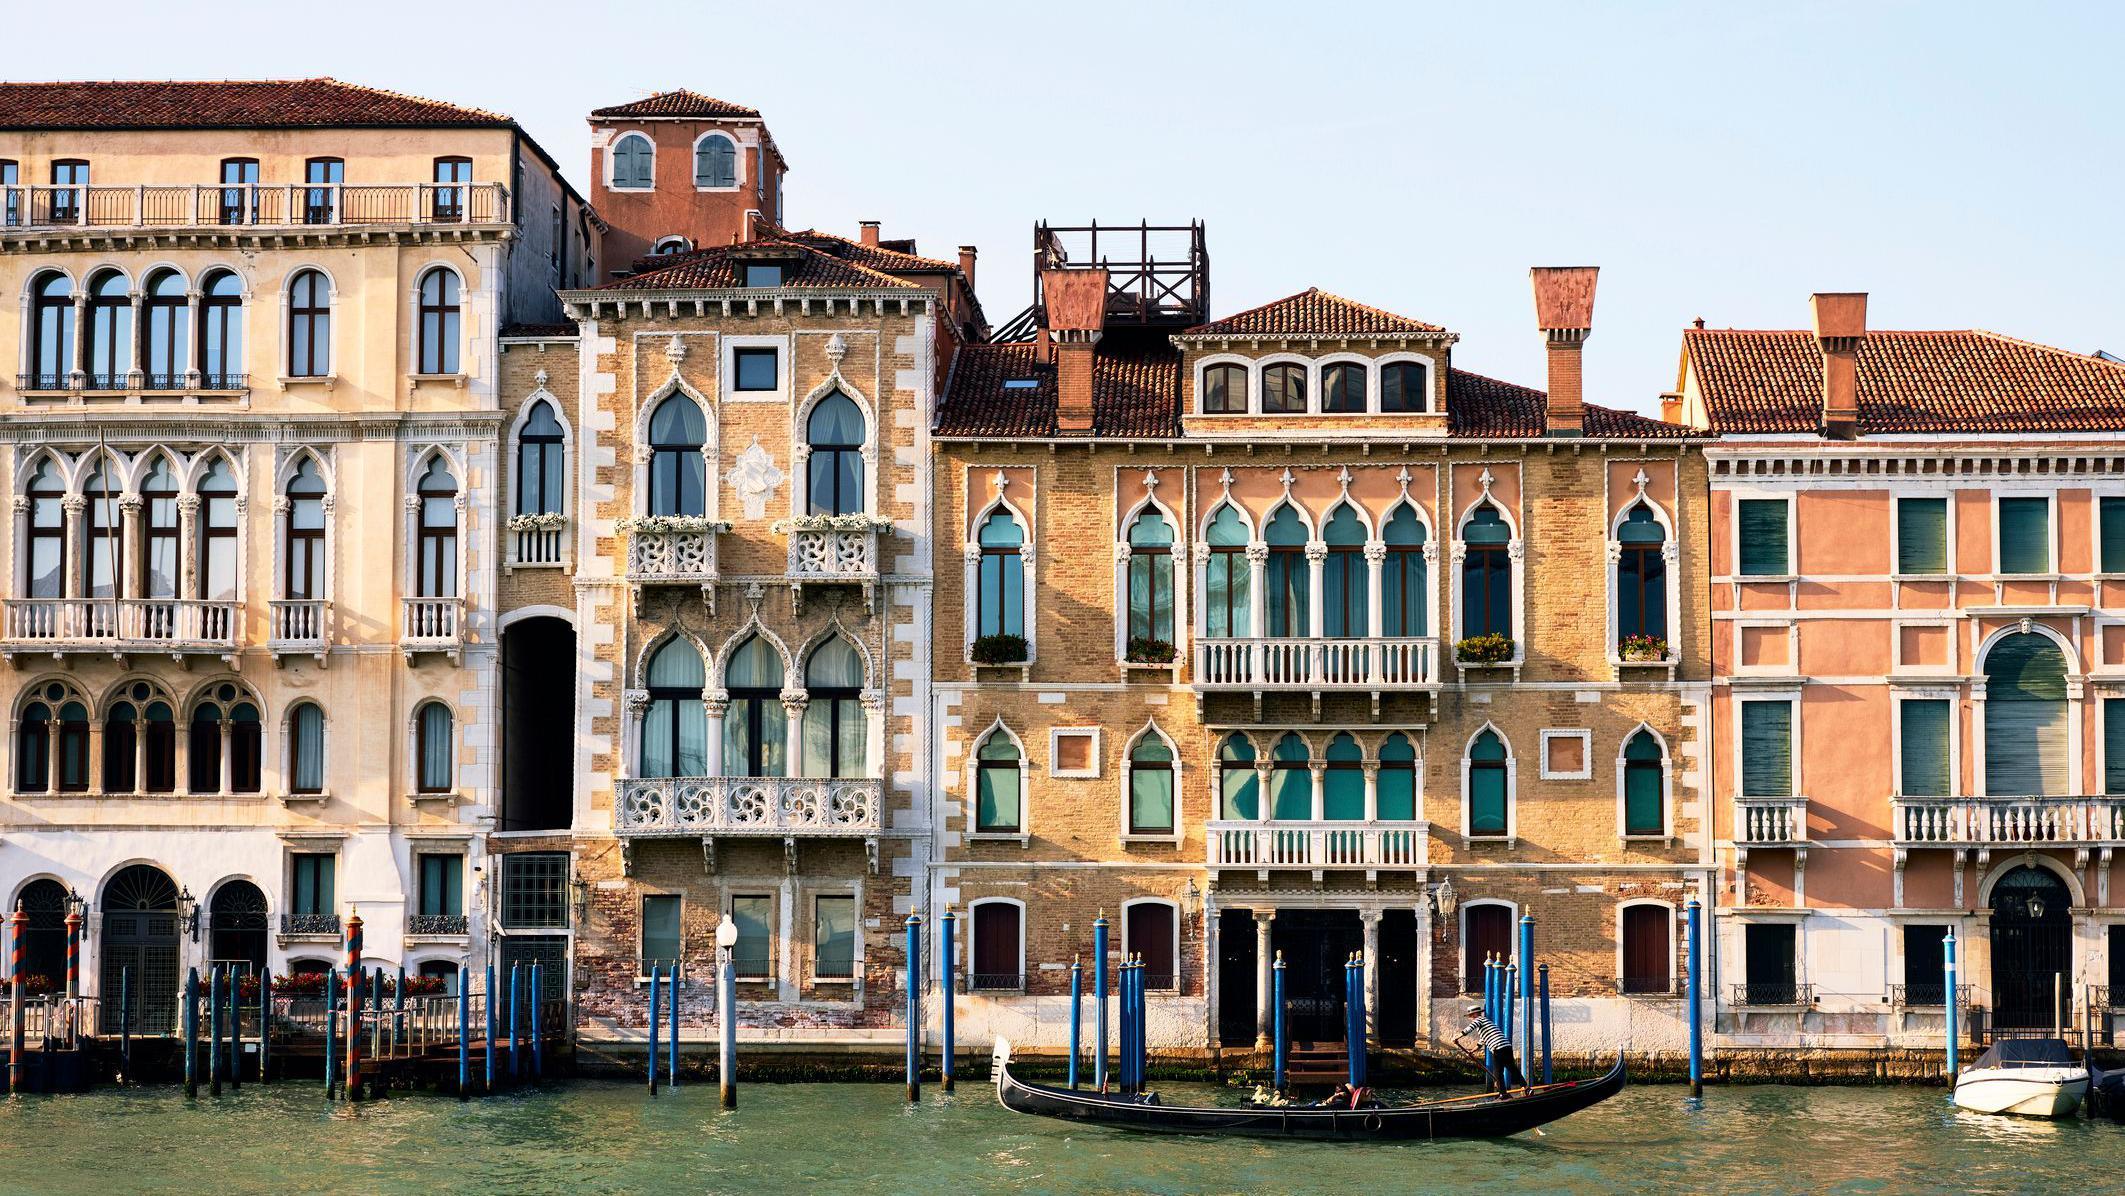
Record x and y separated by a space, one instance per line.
642 896
1377 393
2096 495
333 321
413 751
855 896
727 369
1172 905
1127 771
612 159
1585 736
776 905
1791 697
969 970
1667 786
800 440
507 500
1257 403
468 330
1055 769
1516 559
1896 533
281 541
1670 555
2076 705
1674 917
971 780
1900 694
1177 565
2053 542
1250 405
1512 787
1028 559
738 159
1791 628
1735 497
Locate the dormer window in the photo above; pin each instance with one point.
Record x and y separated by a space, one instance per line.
1284 389
1225 390
1402 387
1343 389
670 245
765 274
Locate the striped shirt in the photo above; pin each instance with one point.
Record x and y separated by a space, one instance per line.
1482 1027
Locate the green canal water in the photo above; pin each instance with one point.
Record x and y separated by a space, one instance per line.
826 1138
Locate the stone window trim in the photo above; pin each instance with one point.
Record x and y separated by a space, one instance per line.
1667 786
2077 700
727 368
469 330
1942 490
322 458
2097 493
740 160
642 893
507 499
970 780
1179 572
333 322
1901 692
1055 737
1125 772
1516 555
189 470
853 982
1512 788
711 440
1585 736
611 159
2053 537
800 439
965 964
1735 496
1791 695
1180 979
1670 554
1315 368
1675 970
1512 910
453 792
454 460
1001 485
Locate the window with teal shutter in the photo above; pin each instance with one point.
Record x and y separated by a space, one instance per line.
2025 535
1486 785
2114 745
2026 718
1921 535
1924 753
2110 528
1643 782
1762 523
1767 749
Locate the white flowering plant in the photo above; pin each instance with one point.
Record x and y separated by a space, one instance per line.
671 524
832 523
549 521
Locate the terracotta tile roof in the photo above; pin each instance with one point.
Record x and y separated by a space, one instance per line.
680 103
883 256
1487 408
722 268
229 104
1911 382
545 331
1314 312
1135 394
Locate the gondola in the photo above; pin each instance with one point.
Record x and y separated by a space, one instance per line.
1486 1116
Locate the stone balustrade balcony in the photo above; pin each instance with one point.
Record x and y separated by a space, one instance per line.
1317 847
2007 822
121 626
431 625
44 209
786 808
1363 665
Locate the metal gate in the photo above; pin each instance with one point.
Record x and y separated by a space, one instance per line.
2032 942
140 928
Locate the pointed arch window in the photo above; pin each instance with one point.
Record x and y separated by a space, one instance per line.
440 313
306 748
1238 781
303 578
169 331
678 474
159 755
834 434
1398 779
159 531
634 163
756 729
1151 785
435 749
102 528
1288 583
217 533
1404 577
1641 575
1001 586
540 453
309 325
52 333
1343 785
715 162
1489 786
1346 582
107 338
1227 609
836 735
1644 786
46 559
675 726
998 805
121 747
437 547
221 332
1486 574
2026 716
1291 780
1151 578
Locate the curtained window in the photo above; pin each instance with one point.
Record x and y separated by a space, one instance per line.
1227 608
1404 578
306 749
834 433
1489 785
998 776
1398 779
1238 782
1287 581
1486 574
1346 579
1151 786
756 727
303 578
217 533
678 474
159 531
435 749
1290 780
313 883
1644 786
442 891
1001 587
1151 578
1343 784
836 733
675 727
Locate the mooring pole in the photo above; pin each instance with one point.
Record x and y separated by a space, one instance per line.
235 1032
1143 1026
1124 1017
727 1028
191 1032
516 1039
464 1035
1099 1001
214 1030
1527 1001
1353 1042
1077 1017
914 974
73 953
1547 1075
671 1054
1276 1006
355 979
1490 1003
398 1010
946 925
1696 917
265 1025
487 1003
538 1040
1130 1028
17 1059
1954 1012
331 1029
656 1015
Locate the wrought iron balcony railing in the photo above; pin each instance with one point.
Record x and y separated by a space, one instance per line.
309 924
436 923
1771 992
1928 996
251 205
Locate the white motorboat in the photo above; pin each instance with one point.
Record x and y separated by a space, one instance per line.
2026 1077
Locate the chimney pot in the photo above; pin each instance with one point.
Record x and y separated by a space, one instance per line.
867 232
1076 307
1840 328
966 263
1564 312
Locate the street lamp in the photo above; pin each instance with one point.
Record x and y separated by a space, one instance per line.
189 911
1444 899
726 935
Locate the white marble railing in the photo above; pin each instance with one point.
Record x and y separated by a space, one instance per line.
688 557
431 622
2006 821
820 806
1369 845
100 623
826 555
297 624
537 546
1771 821
1315 664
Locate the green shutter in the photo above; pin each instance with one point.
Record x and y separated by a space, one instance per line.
1486 799
1922 535
1763 537
2025 718
1767 749
1641 798
2111 524
1398 794
2114 745
1925 747
2025 535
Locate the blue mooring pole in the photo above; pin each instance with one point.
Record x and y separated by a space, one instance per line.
945 926
1353 1038
488 1002
331 1029
1276 1003
1143 1025
516 1039
1490 1002
1527 1001
1077 1017
1696 916
671 1046
656 1017
265 1025
1954 1013
214 1030
914 975
235 1034
1099 1001
1124 1016
538 1040
1133 971
464 1036
1547 1075
191 1033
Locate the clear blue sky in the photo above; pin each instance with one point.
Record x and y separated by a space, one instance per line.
1962 162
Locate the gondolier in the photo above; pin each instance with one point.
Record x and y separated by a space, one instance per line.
1504 1069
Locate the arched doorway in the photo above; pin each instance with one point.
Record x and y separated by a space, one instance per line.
44 938
538 725
2032 942
140 933
238 921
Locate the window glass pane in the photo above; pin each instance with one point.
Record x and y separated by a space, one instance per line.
756 369
1763 532
1767 749
660 931
996 797
534 890
1924 754
2025 535
752 956
2111 556
1921 535
1642 804
834 937
1402 387
1925 965
1151 799
2114 745
1486 799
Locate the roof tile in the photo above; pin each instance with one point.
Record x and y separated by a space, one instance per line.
1135 394
680 103
226 104
722 268
1314 312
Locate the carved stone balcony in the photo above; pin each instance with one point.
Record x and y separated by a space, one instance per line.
122 627
1318 847
673 558
431 625
205 208
297 627
1986 824
786 808
834 556
1368 665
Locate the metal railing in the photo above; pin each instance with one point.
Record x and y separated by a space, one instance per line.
436 924
828 806
2006 821
309 923
995 982
431 622
688 557
297 624
1233 844
136 383
1770 821
1928 996
162 623
253 205
1771 992
1292 663
823 554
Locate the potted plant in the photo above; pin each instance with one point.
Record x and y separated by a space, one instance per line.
1000 649
1144 649
858 522
1644 649
660 525
1487 649
551 521
36 984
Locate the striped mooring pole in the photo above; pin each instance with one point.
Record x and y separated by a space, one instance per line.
17 1058
355 978
331 1030
946 924
1099 1002
73 953
914 975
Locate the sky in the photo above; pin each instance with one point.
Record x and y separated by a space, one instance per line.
1960 162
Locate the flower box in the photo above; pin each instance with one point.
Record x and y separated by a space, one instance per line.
1643 649
667 525
999 649
1481 650
1144 650
551 521
832 523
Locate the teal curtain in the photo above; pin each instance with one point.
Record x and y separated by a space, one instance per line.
1924 752
1343 789
1921 535
1398 779
1643 800
1151 787
2025 535
996 779
1403 575
1767 749
1764 534
1239 785
2025 717
1487 788
1291 782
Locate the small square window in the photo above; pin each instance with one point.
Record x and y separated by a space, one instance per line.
767 275
756 368
1073 752
1566 755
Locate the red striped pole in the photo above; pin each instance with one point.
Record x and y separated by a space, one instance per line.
354 1007
16 1060
73 953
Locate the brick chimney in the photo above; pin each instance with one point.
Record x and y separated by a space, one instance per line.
1671 408
1076 301
867 232
1564 311
966 264
1840 326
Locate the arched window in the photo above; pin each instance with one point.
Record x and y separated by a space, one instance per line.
1346 581
44 934
306 748
1238 781
998 808
1486 574
246 748
1644 786
437 548
1227 607
1405 583
121 747
2026 718
1150 580
439 315
675 726
33 749
715 162
670 245
169 331
102 528
52 335
444 972
217 533
1150 931
1343 786
1402 387
203 748
435 749
834 433
634 163
1398 779
836 735
678 474
1225 389
159 752
1343 388
1288 582
1151 785
539 457
238 917
1489 786
303 579
755 729
221 332
309 325
107 338
1486 930
1648 933
46 560
1290 780
1283 388
1001 587
1641 576
158 531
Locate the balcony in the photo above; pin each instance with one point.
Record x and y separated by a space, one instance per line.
1928 996
79 389
828 555
122 626
1771 821
535 540
1774 994
786 808
431 625
437 925
281 207
1318 847
1986 823
310 926
682 555
297 627
1316 666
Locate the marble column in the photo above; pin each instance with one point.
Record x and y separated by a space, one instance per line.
1264 988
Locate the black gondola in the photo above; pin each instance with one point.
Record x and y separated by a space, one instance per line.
1487 1116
